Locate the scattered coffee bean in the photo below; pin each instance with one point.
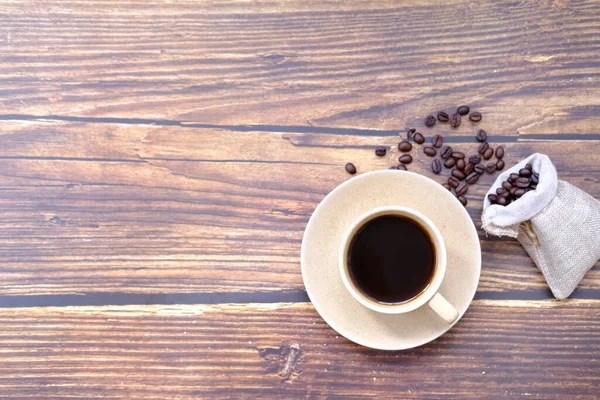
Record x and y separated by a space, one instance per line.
380 151
481 136
503 201
475 159
529 167
449 163
499 152
401 167
404 146
460 164
513 177
488 153
437 141
475 116
506 185
419 138
490 168
535 178
350 168
472 178
483 147
479 168
443 116
457 173
468 168
430 121
463 110
500 165
430 151
446 152
405 159
462 200
525 172
523 182
410 133
436 166
493 197
501 192
519 192
455 120
453 181
462 189
458 154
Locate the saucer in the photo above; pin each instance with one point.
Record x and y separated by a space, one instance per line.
323 238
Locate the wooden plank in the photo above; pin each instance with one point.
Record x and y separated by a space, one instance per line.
546 349
529 67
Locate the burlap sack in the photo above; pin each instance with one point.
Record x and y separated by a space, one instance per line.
557 224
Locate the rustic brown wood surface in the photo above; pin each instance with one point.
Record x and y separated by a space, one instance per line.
159 162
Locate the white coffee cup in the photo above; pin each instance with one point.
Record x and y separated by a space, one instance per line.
430 295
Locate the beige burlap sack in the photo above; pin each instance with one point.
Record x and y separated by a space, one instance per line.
557 224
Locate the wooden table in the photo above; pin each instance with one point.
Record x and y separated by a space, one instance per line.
160 161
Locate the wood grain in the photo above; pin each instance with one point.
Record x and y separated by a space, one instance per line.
501 349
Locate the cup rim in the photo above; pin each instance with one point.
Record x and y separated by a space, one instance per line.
440 267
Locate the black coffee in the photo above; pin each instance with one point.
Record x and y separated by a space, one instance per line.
391 259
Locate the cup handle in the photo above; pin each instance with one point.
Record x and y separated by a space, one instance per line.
443 308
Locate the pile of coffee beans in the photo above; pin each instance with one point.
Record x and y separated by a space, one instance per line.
515 186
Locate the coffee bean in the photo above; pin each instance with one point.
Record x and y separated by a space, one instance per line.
503 201
514 177
481 136
453 181
525 172
380 151
460 164
513 190
462 188
350 168
493 197
490 168
500 165
449 163
522 182
458 154
501 192
430 121
436 166
519 192
535 178
457 173
447 186
499 152
404 146
410 133
468 168
419 138
529 167
475 116
463 110
443 116
437 141
506 185
475 159
405 159
462 200
532 187
446 152
472 178
479 168
455 120
401 167
488 153
482 148
430 151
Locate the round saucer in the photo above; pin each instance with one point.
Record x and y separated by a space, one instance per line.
323 237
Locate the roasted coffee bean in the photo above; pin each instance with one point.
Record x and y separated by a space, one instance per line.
449 163
523 182
525 172
503 201
500 165
501 192
475 116
462 200
436 166
499 152
443 116
490 168
529 167
453 181
519 192
462 188
468 169
488 153
430 121
458 154
404 146
481 136
514 177
401 167
437 141
410 133
483 147
455 120
446 152
405 159
350 168
380 151
493 197
472 178
506 185
419 138
535 178
457 173
479 168
475 159
513 190
447 186
463 110
532 187
430 151
460 164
